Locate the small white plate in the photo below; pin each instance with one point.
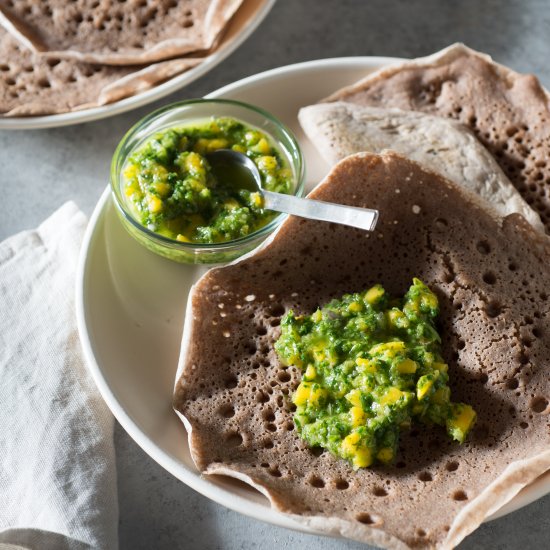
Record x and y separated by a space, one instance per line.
245 21
130 302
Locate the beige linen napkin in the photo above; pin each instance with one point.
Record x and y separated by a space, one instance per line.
57 464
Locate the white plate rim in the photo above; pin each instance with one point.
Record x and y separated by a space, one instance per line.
145 97
193 479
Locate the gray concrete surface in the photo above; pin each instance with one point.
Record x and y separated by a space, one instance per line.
39 170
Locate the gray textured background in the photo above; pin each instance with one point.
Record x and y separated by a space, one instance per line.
39 170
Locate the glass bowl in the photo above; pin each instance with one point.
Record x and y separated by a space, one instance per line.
186 113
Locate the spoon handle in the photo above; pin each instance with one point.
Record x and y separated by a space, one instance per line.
363 218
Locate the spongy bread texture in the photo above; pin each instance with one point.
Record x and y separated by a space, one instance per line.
339 129
117 33
492 280
33 85
30 86
508 112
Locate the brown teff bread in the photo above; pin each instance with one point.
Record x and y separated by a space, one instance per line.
492 280
137 32
508 112
31 85
338 129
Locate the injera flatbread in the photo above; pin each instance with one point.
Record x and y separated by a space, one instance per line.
134 32
31 85
447 147
508 112
491 279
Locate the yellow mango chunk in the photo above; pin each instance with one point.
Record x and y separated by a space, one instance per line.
358 417
154 204
374 294
193 161
429 300
252 137
310 373
425 384
412 306
354 397
318 355
397 318
267 162
391 396
130 171
239 148
217 143
129 190
316 394
257 200
385 454
162 188
424 389
158 172
321 352
407 366
317 316
307 393
294 360
461 421
349 443
262 147
365 365
302 394
355 307
362 458
388 349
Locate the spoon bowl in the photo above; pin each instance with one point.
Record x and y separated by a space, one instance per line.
235 170
238 171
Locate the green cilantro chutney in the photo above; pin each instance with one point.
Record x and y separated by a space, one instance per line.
173 191
371 366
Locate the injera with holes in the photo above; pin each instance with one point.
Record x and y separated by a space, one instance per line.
32 85
339 129
508 112
117 33
491 276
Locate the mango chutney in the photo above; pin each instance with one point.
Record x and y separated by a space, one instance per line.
371 366
172 191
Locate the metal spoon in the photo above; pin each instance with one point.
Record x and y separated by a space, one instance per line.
230 166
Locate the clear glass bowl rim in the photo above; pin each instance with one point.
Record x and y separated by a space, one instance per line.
122 152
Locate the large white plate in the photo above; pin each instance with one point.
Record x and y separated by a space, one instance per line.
130 303
245 21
